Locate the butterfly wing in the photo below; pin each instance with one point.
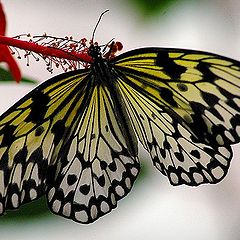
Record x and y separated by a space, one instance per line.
64 139
32 134
98 168
184 106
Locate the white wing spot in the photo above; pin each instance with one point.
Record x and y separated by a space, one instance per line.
104 207
56 206
120 191
198 177
67 209
33 193
128 183
113 199
94 212
22 195
229 136
134 171
158 166
81 216
15 200
174 177
219 139
185 177
2 185
1 208
217 172
238 130
50 194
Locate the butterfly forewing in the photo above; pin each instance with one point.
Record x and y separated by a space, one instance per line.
32 133
201 88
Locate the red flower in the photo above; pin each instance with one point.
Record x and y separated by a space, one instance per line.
5 54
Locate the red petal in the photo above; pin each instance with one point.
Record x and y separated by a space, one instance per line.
5 54
2 21
13 67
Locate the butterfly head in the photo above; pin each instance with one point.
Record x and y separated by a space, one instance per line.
95 51
106 51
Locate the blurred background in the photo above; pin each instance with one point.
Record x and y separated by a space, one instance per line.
154 209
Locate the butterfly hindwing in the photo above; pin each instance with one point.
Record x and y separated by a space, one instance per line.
99 168
184 106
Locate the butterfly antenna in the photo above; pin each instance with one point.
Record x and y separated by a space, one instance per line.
99 19
106 45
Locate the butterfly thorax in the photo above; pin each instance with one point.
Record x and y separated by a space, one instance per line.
95 51
100 66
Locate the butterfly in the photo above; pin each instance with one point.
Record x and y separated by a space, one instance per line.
75 137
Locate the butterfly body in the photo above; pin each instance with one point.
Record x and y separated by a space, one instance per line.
75 137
